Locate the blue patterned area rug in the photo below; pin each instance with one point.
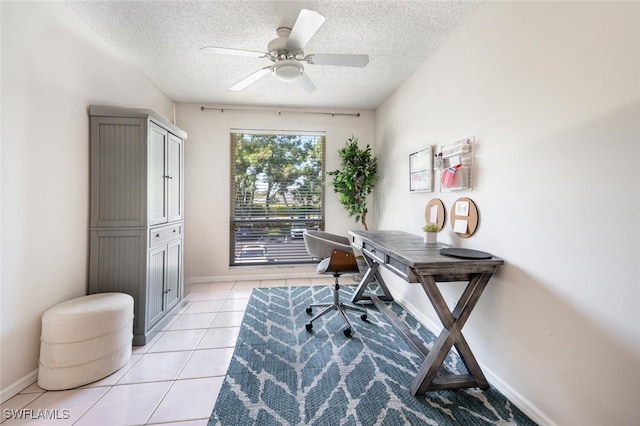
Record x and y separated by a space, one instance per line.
280 374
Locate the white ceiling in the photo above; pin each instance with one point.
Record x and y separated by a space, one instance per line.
163 39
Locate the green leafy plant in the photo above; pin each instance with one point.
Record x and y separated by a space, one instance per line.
356 179
431 227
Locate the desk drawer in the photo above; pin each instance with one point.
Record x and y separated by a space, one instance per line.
162 235
376 254
399 268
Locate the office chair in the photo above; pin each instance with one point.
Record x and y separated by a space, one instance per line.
338 258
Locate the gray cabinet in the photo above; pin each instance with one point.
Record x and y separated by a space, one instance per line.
136 228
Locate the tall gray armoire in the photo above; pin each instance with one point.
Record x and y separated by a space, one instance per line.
136 227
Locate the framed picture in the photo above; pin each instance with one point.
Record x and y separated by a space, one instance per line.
421 170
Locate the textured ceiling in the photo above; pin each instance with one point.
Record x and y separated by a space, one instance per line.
163 39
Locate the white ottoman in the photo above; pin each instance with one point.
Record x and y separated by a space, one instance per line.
84 340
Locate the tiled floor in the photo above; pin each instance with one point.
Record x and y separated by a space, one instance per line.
174 379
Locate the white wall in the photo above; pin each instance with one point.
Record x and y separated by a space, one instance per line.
53 67
207 180
551 92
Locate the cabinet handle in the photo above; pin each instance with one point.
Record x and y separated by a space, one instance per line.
167 177
167 291
157 235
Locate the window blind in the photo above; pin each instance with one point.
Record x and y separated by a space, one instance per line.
277 191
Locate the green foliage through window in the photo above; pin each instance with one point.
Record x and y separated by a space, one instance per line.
277 189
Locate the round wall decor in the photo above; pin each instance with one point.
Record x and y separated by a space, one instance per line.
464 217
435 207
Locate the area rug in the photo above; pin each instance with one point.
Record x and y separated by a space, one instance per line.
281 374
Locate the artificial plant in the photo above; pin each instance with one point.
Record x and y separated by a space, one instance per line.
356 178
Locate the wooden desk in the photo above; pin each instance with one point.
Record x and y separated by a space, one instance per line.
407 256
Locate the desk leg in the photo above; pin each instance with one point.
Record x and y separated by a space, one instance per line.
372 274
451 335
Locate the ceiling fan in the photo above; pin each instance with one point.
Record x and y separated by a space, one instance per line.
287 54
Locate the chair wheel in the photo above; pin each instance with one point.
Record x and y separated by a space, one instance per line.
363 317
308 326
347 332
309 311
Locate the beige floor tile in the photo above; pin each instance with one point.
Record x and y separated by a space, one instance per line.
219 338
66 407
126 405
199 307
11 407
273 283
168 325
240 293
113 378
322 280
178 373
145 348
188 400
296 282
178 340
33 388
224 285
156 367
208 295
207 363
234 305
247 284
199 422
192 321
227 319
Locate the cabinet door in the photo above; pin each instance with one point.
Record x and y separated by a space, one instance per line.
155 284
158 139
118 264
118 147
174 178
174 273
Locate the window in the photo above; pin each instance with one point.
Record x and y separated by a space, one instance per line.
277 192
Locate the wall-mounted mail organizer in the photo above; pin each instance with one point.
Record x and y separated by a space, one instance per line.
454 165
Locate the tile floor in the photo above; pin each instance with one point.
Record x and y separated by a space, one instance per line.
174 379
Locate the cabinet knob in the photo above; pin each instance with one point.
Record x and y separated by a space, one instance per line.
167 291
157 235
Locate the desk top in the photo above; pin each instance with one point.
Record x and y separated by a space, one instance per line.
411 250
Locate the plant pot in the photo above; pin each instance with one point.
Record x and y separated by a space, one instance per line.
431 238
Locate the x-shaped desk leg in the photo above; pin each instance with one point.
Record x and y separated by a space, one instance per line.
372 274
426 379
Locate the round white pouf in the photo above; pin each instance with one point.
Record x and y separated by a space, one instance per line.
84 340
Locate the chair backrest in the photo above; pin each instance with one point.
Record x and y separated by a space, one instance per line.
320 244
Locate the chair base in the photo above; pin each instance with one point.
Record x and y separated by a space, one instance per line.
338 306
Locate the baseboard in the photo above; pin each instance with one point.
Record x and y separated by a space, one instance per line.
17 387
252 277
497 382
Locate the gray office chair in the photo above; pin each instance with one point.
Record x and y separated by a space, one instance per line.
338 259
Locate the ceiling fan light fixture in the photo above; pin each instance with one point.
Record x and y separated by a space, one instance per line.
287 70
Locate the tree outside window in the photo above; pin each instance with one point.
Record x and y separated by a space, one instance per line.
277 192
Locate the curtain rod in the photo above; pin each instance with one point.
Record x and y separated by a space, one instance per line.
333 114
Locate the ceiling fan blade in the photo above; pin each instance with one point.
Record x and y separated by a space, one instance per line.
306 26
234 52
305 83
251 79
343 60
